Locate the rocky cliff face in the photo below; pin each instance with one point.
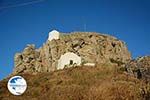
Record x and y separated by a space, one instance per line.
91 47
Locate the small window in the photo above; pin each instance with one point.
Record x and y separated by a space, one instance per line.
71 62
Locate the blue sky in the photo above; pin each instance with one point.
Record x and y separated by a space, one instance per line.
25 22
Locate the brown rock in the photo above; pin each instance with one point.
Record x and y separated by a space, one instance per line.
140 68
91 47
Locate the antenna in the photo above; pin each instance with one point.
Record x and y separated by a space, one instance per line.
84 24
84 27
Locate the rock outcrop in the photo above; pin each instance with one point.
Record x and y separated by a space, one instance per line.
92 47
140 68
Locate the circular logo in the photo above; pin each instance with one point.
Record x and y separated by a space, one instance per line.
17 85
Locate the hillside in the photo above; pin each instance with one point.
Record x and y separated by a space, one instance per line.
81 83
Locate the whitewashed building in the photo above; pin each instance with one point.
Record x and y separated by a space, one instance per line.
68 58
53 35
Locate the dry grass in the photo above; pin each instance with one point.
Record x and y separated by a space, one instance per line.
81 83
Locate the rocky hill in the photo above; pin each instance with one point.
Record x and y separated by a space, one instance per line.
102 70
92 47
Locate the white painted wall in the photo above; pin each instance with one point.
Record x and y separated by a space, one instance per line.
53 35
65 60
89 64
